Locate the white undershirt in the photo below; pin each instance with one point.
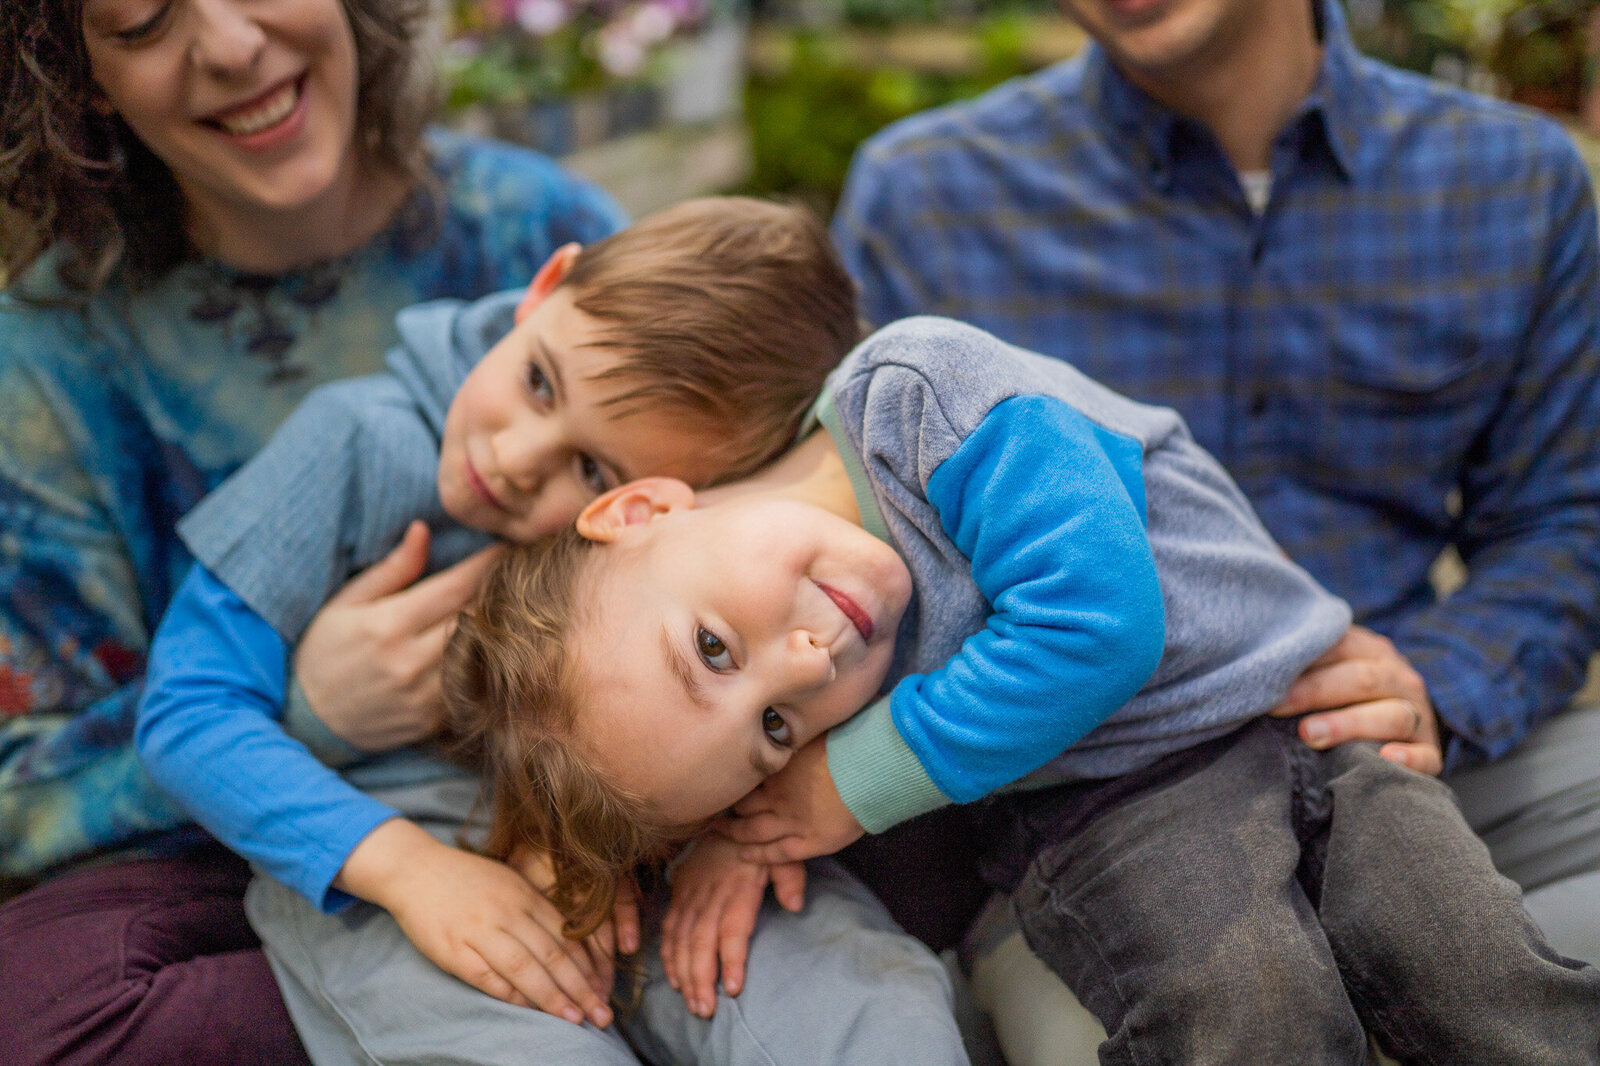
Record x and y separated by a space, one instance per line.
1257 186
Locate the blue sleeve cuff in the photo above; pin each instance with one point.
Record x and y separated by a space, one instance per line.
302 723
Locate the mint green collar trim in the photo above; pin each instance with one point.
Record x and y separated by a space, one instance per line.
825 414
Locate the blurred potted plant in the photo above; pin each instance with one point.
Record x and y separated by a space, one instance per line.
1529 52
562 74
1541 54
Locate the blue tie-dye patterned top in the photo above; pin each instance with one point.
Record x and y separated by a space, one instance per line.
116 418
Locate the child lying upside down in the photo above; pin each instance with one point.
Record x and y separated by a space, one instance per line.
1076 609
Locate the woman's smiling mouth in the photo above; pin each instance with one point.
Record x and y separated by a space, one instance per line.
260 114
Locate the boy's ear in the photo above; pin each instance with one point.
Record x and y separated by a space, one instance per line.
632 504
549 276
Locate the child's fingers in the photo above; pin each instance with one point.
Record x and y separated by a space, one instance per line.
480 975
669 943
789 849
756 829
733 936
683 959
789 885
1425 758
676 931
558 980
702 966
440 597
734 948
625 915
601 947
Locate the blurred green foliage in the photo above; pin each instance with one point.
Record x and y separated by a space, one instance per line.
813 107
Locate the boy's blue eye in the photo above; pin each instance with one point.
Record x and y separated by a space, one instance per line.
538 384
591 474
713 652
776 729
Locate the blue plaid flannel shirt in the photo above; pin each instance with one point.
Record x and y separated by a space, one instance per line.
1401 353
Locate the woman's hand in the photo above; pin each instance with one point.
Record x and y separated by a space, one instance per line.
369 662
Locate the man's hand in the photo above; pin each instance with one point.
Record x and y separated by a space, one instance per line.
716 897
795 814
369 661
477 919
1363 689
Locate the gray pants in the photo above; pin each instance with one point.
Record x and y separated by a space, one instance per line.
837 983
1538 810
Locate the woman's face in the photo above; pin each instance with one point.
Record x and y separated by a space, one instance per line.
250 103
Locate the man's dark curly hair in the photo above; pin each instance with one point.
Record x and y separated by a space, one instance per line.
74 175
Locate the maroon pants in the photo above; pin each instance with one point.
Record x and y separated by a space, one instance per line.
143 962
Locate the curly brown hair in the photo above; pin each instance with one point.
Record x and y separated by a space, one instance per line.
75 176
513 696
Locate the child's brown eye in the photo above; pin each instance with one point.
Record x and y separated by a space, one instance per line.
713 652
776 729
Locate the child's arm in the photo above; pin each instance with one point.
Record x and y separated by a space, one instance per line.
716 897
208 733
1048 509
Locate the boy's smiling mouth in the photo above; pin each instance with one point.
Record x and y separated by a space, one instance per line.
852 610
480 487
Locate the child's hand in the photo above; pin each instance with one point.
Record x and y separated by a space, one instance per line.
716 896
621 932
795 814
477 919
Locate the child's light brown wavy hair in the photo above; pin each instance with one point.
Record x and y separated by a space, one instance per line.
730 312
513 692
73 175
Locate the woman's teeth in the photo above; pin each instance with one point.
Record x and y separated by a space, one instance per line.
271 111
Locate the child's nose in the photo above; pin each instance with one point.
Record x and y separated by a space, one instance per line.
527 456
809 659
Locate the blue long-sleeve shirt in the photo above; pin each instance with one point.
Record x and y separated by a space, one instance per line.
1402 353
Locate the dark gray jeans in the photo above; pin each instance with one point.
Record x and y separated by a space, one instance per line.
1254 901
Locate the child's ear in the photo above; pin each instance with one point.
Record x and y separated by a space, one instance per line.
549 276
632 504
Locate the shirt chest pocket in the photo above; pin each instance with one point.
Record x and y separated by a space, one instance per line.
1398 409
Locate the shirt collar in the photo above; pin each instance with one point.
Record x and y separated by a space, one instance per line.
1335 113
